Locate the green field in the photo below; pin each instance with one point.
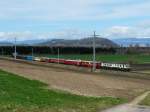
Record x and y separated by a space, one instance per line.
107 58
146 101
18 94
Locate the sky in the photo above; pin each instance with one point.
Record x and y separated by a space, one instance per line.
70 19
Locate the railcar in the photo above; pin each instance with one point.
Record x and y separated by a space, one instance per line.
90 64
55 60
115 66
40 59
86 64
72 62
37 59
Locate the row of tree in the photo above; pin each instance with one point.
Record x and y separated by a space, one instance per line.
28 50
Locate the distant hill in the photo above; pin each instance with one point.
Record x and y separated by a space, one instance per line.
22 43
86 42
30 42
132 41
6 44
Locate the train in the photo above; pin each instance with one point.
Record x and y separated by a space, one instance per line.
80 63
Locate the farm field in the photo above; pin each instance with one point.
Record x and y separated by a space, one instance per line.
108 58
80 83
19 94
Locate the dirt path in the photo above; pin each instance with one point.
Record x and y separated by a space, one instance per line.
79 83
132 106
137 100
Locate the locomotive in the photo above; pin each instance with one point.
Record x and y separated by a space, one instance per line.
116 66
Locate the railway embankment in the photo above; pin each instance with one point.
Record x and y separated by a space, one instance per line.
137 70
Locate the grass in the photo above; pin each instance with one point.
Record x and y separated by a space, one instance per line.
18 94
146 101
107 58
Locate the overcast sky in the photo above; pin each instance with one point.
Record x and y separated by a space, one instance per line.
42 19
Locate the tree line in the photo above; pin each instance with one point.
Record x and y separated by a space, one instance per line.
27 50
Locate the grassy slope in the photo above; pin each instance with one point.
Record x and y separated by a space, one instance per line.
109 58
22 95
146 101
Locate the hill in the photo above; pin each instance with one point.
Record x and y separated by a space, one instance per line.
6 44
31 42
86 42
132 41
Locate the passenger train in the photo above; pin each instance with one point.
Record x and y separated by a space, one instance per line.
80 63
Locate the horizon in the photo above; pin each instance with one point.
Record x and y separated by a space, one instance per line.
49 39
75 19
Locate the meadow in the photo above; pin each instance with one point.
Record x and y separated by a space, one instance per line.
105 58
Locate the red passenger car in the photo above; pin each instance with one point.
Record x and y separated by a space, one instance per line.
72 62
54 60
86 63
90 64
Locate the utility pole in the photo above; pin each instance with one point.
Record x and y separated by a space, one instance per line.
15 49
2 51
58 55
32 52
94 52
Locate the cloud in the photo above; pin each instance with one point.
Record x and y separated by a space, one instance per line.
37 15
136 10
10 36
27 35
138 31
58 10
121 31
